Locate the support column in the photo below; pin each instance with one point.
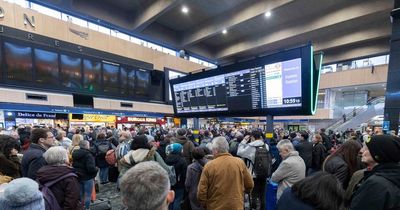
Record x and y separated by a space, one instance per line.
392 98
270 127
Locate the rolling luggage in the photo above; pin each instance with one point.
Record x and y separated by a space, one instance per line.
271 200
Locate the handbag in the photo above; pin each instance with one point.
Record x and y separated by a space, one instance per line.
100 204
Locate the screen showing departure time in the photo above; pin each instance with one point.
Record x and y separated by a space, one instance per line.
275 85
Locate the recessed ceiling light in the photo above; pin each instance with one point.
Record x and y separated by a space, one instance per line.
224 31
267 14
185 9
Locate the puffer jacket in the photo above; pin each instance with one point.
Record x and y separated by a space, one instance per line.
193 174
379 189
84 164
338 167
32 161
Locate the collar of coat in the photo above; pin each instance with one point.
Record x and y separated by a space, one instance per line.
222 154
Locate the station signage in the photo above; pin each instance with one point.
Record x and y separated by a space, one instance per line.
35 115
137 119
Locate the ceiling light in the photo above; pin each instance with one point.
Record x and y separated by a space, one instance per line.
224 31
185 10
267 14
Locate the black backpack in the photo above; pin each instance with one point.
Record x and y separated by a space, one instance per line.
262 162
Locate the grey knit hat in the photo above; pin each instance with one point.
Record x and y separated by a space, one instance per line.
21 194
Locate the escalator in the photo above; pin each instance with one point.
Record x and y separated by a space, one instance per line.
360 115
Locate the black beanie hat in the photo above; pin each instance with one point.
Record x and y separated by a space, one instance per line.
384 148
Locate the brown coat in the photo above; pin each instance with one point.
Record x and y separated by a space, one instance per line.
223 183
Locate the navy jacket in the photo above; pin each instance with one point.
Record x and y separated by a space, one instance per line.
379 189
32 161
84 164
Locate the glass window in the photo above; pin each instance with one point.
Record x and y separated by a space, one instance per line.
142 82
65 17
110 77
193 59
46 67
93 26
114 32
173 75
92 75
154 47
79 22
123 36
71 72
379 60
104 30
169 51
18 60
131 81
22 3
136 40
46 11
127 81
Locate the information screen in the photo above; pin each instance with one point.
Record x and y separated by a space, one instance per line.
270 86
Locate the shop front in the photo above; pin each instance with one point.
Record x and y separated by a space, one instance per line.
41 119
148 122
81 120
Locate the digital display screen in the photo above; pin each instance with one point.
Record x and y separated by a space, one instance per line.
142 82
18 59
71 72
270 86
92 75
110 77
46 64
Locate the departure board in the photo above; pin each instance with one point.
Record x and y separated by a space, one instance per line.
274 85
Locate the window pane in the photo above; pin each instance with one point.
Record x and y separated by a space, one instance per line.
93 26
142 82
79 22
92 75
46 66
18 59
46 11
110 78
168 51
136 40
104 30
71 72
123 36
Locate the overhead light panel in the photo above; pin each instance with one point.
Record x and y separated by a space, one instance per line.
185 9
224 31
267 14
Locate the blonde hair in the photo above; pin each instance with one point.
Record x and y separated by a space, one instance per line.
76 138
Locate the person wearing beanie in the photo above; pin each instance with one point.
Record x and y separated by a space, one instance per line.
175 159
188 145
379 189
21 194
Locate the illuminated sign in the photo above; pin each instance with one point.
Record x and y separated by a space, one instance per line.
94 118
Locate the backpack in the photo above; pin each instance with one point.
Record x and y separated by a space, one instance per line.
262 162
50 200
111 159
172 175
102 149
233 147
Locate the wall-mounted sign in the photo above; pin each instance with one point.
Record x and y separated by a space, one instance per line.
82 34
30 21
35 115
137 120
94 118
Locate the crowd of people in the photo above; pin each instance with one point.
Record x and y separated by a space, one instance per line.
156 168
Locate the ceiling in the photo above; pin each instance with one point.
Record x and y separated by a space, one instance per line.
342 29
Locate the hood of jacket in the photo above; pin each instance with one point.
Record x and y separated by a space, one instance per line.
51 172
181 140
256 143
80 154
138 155
390 171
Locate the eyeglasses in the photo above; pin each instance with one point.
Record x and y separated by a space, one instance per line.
50 137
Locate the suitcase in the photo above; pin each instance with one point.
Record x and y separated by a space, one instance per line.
113 174
270 200
100 204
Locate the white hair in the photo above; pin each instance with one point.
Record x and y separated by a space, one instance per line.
285 144
220 144
145 179
55 155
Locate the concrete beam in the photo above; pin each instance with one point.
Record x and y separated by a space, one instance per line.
291 31
230 19
151 13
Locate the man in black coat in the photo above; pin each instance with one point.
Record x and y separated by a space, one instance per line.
85 166
380 187
326 140
305 149
33 160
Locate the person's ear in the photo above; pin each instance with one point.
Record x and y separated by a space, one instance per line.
170 196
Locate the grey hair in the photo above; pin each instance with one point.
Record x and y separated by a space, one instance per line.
220 144
56 155
83 144
285 143
144 179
